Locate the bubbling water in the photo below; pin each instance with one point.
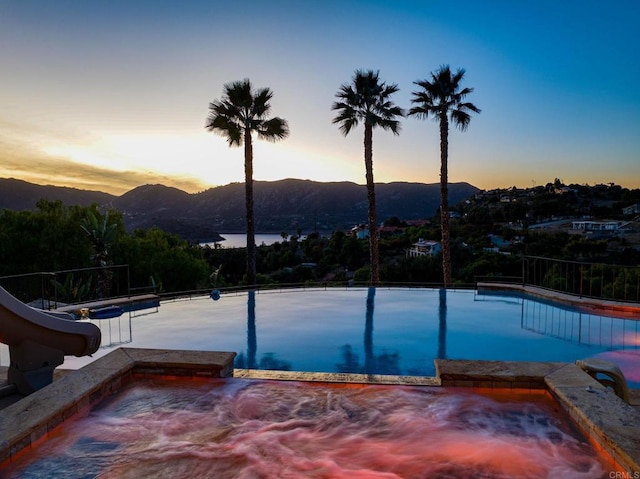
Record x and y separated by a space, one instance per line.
252 429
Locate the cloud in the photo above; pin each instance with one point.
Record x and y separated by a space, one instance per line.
20 160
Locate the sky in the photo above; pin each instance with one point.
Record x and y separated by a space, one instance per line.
112 94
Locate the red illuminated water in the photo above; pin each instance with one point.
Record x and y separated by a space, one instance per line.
257 429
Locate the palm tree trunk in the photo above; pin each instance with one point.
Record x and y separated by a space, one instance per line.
444 199
371 196
248 185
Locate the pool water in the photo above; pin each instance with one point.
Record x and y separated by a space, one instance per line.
270 429
376 331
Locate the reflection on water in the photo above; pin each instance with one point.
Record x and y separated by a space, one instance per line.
250 429
252 339
369 359
378 331
268 360
442 324
580 327
385 363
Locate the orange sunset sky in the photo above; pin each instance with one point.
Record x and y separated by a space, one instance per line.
109 95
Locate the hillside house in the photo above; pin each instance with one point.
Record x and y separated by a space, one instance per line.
631 210
360 231
423 248
591 225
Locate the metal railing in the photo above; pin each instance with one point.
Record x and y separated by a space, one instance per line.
591 280
47 290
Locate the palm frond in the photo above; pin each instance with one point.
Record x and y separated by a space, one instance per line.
239 94
460 119
469 106
457 77
273 130
387 124
419 112
261 105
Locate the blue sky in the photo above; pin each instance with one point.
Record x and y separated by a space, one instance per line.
113 94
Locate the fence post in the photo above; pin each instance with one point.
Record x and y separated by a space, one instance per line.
581 271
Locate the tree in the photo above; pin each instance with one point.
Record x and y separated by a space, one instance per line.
101 233
237 115
442 98
367 100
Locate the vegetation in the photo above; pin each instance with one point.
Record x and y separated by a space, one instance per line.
241 112
59 238
101 233
52 238
442 97
366 99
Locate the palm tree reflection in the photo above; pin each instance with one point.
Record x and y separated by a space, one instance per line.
442 326
252 340
385 363
369 358
269 360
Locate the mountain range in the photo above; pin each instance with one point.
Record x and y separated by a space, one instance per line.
283 205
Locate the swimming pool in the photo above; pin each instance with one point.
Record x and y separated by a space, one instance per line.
374 331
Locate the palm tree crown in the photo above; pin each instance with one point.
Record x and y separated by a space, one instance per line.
240 112
442 98
367 100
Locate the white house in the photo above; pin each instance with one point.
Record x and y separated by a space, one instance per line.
424 248
596 225
360 231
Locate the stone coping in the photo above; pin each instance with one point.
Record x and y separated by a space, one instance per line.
336 377
127 301
495 374
609 422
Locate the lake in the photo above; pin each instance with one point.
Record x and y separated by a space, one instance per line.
239 240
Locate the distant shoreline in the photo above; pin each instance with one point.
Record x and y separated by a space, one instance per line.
239 240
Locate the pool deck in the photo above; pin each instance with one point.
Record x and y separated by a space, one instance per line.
610 423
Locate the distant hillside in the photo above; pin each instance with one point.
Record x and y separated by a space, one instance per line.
18 195
284 205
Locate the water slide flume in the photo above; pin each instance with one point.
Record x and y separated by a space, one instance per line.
38 341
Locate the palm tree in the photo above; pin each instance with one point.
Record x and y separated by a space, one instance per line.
442 98
101 233
367 100
237 115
